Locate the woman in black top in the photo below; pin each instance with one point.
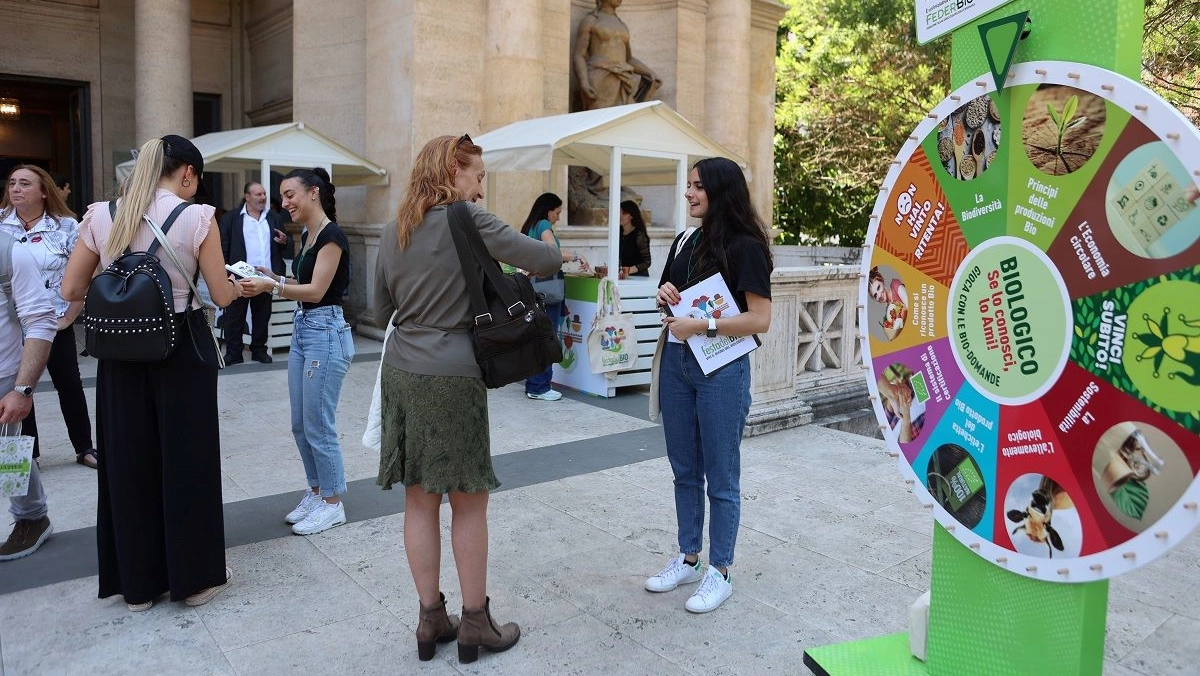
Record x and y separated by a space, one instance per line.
635 242
703 416
322 346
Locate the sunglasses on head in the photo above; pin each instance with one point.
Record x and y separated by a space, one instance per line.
465 139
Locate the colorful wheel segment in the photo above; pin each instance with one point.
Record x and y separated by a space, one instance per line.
1031 320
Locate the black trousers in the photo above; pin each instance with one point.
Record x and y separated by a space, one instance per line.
235 322
63 366
159 520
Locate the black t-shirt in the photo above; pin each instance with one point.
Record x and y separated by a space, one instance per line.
631 251
749 268
303 266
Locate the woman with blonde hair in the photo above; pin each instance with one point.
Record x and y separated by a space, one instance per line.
34 213
159 524
435 418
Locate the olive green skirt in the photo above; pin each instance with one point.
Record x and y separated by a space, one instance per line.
434 433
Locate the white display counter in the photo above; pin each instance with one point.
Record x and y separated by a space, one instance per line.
637 298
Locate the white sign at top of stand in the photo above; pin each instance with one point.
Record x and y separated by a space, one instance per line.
935 18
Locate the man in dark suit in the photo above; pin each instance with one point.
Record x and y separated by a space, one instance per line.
253 234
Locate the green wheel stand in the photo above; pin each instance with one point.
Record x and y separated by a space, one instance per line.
984 619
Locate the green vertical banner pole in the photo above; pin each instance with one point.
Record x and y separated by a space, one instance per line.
984 619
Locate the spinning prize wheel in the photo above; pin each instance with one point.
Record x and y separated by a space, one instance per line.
1032 320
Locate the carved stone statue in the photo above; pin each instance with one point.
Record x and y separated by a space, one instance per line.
607 71
608 75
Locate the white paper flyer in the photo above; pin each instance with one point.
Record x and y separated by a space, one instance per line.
711 297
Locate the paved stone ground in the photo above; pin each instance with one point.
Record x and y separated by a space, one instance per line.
832 547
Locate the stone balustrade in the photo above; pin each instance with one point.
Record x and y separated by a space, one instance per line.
810 360
810 363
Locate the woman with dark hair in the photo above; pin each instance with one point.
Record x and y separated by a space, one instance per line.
34 213
159 521
434 404
322 346
703 416
635 242
539 224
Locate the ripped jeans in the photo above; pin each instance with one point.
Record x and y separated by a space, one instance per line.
322 348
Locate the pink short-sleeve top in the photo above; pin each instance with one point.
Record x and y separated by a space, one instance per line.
185 236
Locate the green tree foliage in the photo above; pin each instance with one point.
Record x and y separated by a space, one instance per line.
1171 53
852 83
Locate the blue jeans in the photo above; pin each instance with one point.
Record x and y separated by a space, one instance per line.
703 419
540 384
322 348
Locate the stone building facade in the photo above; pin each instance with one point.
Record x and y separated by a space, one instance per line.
378 76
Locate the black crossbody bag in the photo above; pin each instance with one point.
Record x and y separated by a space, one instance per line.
512 335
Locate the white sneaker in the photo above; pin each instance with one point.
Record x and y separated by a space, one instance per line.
307 504
712 592
548 395
676 573
324 517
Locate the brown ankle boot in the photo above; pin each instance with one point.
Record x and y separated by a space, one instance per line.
434 627
479 630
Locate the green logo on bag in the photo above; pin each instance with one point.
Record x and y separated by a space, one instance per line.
21 467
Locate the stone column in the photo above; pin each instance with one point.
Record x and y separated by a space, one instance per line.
727 82
162 68
764 23
388 107
513 90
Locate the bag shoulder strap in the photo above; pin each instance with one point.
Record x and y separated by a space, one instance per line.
466 237
675 247
160 236
112 213
470 268
160 239
614 299
683 237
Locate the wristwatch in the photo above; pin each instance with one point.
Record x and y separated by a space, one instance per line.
26 390
276 289
712 327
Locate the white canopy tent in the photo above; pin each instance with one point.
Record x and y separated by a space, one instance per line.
280 146
636 144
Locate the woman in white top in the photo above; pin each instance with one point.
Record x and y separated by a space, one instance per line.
34 213
159 524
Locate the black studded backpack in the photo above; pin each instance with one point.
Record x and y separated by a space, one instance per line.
129 312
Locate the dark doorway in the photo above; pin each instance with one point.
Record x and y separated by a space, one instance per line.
53 131
206 118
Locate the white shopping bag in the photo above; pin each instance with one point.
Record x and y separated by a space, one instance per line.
372 436
16 459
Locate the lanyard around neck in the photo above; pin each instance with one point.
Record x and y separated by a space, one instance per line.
695 240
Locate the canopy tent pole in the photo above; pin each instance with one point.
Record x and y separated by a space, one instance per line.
549 185
614 213
264 177
681 172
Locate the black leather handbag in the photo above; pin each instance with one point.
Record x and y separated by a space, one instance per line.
512 335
